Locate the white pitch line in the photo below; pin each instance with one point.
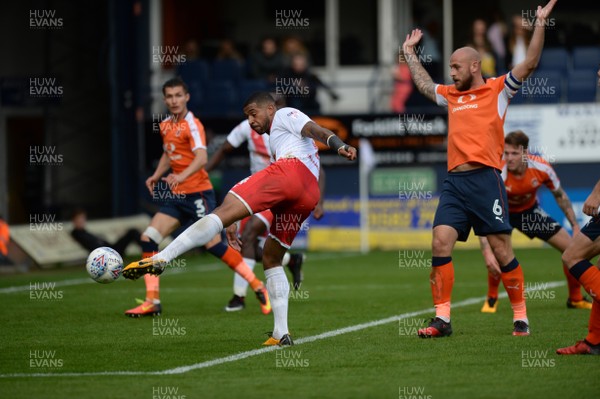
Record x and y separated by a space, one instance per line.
78 281
208 267
256 352
65 283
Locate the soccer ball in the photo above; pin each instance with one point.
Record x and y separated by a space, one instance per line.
104 265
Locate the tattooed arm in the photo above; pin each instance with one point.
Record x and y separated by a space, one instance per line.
419 75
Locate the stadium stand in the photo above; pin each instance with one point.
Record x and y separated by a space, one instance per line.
581 85
586 57
555 59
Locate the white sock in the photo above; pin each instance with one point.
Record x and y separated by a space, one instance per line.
286 258
240 285
279 291
196 235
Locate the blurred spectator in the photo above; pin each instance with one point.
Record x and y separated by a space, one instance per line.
227 51
91 242
267 63
302 86
431 50
4 240
293 46
518 41
191 49
480 43
403 85
496 35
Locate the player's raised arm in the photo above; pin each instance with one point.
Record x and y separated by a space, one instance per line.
522 70
419 75
326 136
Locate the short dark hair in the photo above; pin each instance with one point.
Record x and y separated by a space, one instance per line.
78 211
260 98
517 138
175 82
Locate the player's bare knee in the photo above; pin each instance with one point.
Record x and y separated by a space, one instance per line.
570 257
441 246
502 255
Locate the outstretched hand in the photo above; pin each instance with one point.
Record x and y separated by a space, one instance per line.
348 152
412 39
542 13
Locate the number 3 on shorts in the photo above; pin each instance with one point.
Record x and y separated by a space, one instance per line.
200 208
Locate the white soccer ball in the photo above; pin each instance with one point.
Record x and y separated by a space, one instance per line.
104 265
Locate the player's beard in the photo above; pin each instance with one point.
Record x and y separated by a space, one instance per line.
465 84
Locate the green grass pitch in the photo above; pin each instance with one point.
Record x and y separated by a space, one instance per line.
78 328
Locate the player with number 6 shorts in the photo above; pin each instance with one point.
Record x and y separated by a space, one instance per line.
473 194
187 196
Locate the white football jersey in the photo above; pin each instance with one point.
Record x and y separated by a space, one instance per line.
287 141
258 145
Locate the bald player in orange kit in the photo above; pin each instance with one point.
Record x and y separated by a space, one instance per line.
473 195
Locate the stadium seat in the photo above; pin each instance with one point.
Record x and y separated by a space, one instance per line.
249 86
221 99
554 58
195 75
581 86
226 70
197 95
193 71
544 87
586 57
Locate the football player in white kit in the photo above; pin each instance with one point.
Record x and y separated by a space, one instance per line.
254 228
288 187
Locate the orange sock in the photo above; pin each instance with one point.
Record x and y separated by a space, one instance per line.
493 284
234 260
152 281
574 286
441 280
514 283
593 336
589 276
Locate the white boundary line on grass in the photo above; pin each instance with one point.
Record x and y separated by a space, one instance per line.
208 267
80 281
256 352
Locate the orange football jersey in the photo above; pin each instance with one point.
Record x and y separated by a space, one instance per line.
180 140
476 122
522 190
